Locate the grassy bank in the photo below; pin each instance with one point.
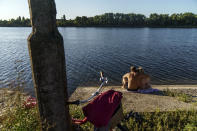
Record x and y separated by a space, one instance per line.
22 119
158 121
17 117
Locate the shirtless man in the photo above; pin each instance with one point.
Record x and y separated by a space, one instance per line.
128 77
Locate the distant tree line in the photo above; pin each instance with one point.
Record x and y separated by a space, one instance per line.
118 20
18 22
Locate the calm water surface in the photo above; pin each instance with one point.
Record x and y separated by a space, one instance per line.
168 55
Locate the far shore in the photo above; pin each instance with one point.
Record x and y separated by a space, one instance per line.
115 26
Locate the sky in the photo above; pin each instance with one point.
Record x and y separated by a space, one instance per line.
72 8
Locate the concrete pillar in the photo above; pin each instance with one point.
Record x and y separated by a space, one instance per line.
46 51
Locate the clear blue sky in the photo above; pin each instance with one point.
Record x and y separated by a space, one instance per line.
72 8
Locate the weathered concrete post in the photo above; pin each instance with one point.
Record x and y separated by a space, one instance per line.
46 51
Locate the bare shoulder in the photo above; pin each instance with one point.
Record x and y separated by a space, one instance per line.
126 75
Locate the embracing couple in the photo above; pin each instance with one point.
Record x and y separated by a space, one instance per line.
136 79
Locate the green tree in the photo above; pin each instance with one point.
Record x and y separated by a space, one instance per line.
64 17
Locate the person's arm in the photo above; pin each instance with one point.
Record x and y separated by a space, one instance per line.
124 80
125 76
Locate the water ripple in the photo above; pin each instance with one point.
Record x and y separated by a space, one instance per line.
168 55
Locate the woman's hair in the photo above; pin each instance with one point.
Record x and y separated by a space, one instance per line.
133 69
140 69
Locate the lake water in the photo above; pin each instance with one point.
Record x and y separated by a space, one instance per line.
169 55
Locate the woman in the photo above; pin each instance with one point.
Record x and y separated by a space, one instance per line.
143 80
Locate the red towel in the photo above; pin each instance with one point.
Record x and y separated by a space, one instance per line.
101 109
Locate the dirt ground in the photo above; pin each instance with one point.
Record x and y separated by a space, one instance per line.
145 102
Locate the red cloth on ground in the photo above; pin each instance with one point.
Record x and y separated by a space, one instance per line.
101 109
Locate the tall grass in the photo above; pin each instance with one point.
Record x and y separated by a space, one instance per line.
151 121
169 121
21 119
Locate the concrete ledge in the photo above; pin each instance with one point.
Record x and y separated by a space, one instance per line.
142 102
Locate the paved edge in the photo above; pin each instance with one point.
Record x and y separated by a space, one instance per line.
154 86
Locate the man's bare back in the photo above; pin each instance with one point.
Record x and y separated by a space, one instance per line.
129 78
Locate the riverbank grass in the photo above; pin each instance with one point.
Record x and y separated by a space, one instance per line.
17 117
180 96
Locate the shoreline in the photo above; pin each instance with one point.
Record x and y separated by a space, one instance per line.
147 102
131 100
31 91
154 86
